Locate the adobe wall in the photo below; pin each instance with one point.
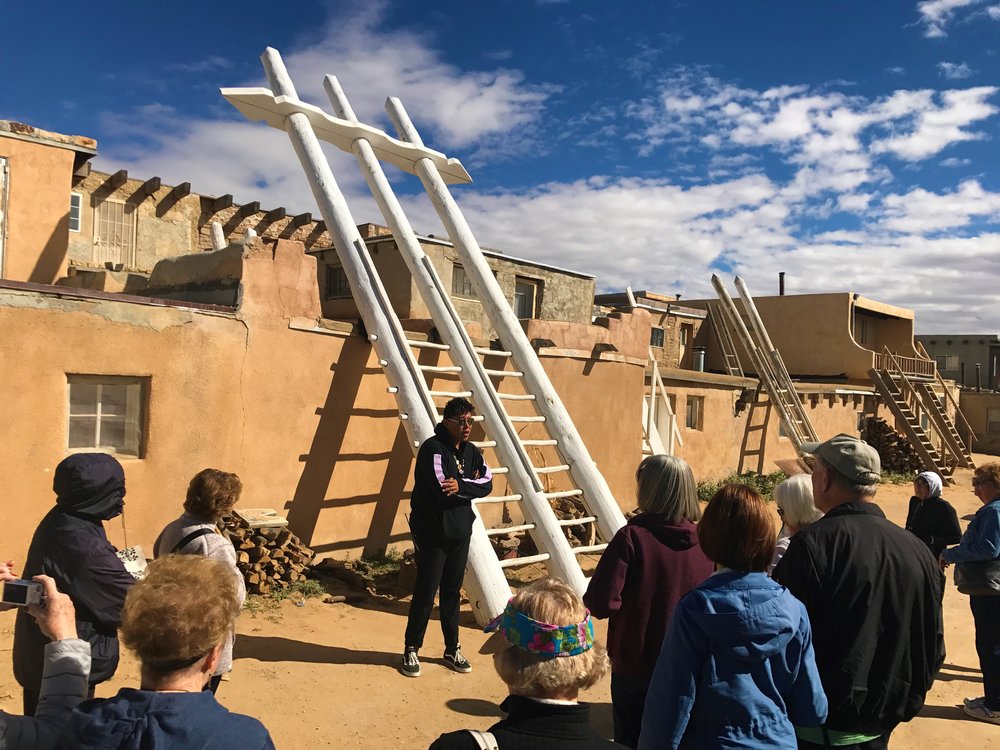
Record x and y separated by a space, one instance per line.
37 220
297 406
975 406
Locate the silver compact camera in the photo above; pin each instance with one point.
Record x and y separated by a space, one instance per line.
23 593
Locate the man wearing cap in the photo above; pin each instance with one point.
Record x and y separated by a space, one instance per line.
873 592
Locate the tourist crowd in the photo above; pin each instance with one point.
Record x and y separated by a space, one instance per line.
722 633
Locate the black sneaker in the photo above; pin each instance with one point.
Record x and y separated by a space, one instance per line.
457 662
411 664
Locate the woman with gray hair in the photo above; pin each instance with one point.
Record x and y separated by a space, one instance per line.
794 500
653 561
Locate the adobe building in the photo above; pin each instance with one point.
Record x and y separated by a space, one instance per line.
970 359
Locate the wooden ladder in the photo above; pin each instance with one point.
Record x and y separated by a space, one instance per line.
730 359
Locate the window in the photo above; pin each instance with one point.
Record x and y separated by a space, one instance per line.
862 329
460 284
114 233
693 418
948 363
993 420
862 422
526 297
336 283
686 330
75 206
105 413
656 337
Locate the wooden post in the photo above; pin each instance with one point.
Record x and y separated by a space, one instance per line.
511 453
596 493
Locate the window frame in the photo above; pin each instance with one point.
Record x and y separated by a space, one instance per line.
697 412
536 294
686 334
653 336
136 403
346 293
77 198
948 359
990 430
125 250
467 291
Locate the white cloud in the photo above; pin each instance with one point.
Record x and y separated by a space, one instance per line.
896 70
955 71
935 15
923 212
953 161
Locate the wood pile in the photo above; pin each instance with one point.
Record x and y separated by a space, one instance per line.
268 557
893 448
520 543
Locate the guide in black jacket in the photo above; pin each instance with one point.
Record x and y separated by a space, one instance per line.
70 546
449 473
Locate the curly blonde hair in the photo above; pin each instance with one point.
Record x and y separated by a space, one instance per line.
988 472
552 601
212 493
184 607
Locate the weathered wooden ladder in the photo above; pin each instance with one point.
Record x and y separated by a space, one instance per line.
306 125
909 400
767 361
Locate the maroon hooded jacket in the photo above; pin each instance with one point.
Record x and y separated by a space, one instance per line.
644 572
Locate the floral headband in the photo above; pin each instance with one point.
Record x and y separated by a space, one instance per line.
547 641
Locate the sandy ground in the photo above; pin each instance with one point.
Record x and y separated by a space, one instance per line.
323 675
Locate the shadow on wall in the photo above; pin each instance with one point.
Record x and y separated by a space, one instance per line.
49 265
327 450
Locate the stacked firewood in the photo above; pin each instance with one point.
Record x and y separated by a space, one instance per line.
893 448
519 543
268 557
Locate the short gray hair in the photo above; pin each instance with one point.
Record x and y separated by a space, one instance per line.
665 485
861 490
795 498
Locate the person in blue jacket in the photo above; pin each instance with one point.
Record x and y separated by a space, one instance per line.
737 667
981 542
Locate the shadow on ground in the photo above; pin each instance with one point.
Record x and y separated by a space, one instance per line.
273 649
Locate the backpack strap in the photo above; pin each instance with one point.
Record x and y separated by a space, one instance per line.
190 538
485 740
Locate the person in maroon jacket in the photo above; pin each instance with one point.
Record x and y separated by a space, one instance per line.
652 562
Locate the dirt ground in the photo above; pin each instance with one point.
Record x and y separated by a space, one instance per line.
323 675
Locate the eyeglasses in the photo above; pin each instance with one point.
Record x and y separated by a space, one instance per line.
465 422
781 511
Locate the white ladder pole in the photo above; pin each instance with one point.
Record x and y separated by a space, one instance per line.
584 471
758 325
218 236
417 412
562 562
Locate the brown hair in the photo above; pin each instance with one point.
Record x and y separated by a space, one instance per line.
988 472
212 493
184 607
553 601
736 530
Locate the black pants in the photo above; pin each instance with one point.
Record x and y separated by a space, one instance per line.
879 743
628 699
440 564
986 614
29 698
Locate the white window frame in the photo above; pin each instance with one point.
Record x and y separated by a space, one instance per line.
653 337
75 202
686 333
948 362
461 285
134 413
108 249
536 286
694 413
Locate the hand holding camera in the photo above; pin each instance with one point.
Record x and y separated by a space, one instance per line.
52 610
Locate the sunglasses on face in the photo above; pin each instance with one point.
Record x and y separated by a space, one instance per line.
781 511
465 421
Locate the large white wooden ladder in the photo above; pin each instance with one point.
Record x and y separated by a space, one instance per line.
766 361
306 125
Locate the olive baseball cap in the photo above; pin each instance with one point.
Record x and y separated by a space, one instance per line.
853 458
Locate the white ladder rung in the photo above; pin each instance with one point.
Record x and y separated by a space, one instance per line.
474 418
500 470
551 469
450 394
517 561
517 396
497 499
540 442
576 521
587 549
493 352
562 494
509 529
504 373
439 368
527 419
484 443
428 345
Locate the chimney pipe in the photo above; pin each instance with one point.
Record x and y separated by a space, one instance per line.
781 283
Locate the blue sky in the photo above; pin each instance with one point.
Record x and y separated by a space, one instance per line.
853 145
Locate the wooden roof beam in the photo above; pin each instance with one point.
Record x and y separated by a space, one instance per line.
275 214
221 203
147 188
247 209
118 179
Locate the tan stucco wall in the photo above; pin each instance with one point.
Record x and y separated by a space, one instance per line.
37 220
975 406
303 417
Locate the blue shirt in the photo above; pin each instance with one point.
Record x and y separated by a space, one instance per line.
981 541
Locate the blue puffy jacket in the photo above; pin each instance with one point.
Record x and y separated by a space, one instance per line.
737 669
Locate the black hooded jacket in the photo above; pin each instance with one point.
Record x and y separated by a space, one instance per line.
70 546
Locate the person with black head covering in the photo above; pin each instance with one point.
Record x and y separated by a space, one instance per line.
70 545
